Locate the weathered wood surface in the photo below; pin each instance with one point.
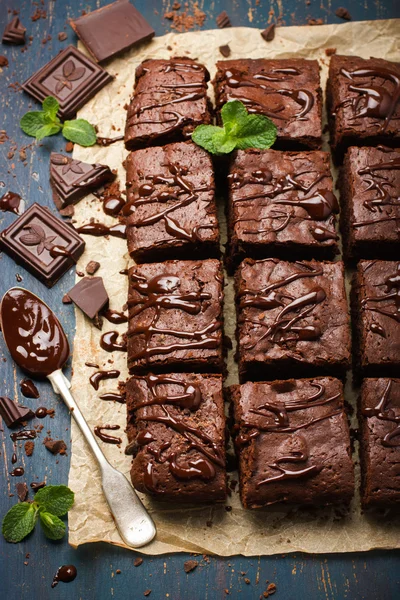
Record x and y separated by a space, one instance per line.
370 576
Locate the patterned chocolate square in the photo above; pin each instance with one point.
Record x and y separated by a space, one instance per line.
71 77
43 244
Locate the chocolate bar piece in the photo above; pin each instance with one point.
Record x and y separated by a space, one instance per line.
42 244
89 295
112 29
72 179
13 414
14 32
71 77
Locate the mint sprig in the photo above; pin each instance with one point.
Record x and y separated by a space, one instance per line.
240 130
50 503
41 124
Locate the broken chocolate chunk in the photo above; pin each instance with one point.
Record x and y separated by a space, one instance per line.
13 414
90 296
343 13
223 20
190 565
55 446
269 33
22 491
92 267
14 32
225 50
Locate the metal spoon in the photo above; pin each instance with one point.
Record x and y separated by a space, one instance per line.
38 344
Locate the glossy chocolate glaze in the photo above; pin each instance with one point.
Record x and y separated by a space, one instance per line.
66 574
101 375
390 298
29 389
12 202
99 229
109 342
114 316
99 430
24 434
105 141
113 397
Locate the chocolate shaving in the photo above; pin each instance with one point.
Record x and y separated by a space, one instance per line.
269 33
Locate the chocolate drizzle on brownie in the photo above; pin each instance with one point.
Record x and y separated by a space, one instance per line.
383 412
391 298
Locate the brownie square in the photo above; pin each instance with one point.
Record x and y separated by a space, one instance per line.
293 319
286 90
369 190
379 418
176 433
169 101
363 108
375 310
293 442
175 317
281 204
171 203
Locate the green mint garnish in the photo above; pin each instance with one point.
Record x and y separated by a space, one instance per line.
41 124
240 130
50 503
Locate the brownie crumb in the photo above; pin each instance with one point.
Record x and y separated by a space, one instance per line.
269 33
190 565
92 267
3 61
225 50
271 589
138 561
147 593
67 211
118 571
62 36
343 13
247 581
69 146
312 21
223 20
227 592
55 446
330 51
29 448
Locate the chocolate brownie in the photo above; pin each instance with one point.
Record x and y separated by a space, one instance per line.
293 442
363 102
375 306
286 90
369 191
175 317
281 204
176 433
171 203
293 319
379 419
169 101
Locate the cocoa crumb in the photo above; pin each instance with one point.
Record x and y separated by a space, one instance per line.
227 592
138 561
343 13
38 485
10 155
271 589
66 299
118 571
190 565
29 448
330 51
191 17
247 581
225 50
39 13
312 21
147 593
22 491
92 267
69 146
62 36
3 61
22 154
55 446
269 33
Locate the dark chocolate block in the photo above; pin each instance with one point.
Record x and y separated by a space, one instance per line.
175 317
369 186
293 319
293 443
12 413
14 32
171 202
43 244
71 77
169 101
176 433
281 204
112 29
73 179
363 107
90 295
375 310
286 90
379 418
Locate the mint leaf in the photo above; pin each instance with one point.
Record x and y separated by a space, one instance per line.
80 132
56 499
47 130
19 522
240 130
50 107
31 122
52 526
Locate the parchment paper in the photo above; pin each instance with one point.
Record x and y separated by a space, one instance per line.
185 528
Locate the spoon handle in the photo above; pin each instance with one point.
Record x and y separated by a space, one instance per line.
134 523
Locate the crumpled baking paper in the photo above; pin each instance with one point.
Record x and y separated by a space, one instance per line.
202 529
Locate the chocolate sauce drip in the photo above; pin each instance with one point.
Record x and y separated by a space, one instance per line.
17 472
190 397
99 229
113 397
60 251
384 413
109 343
105 437
29 389
100 375
11 202
33 334
285 322
66 574
24 434
115 317
105 141
373 100
14 458
37 485
113 205
391 297
162 292
321 234
41 412
302 97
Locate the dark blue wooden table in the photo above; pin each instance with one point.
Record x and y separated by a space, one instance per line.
369 576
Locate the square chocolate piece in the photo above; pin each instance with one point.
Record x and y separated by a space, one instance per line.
71 77
73 179
175 317
169 101
363 102
112 29
42 244
90 295
293 319
176 433
293 443
379 418
171 203
281 204
286 90
369 191
375 311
